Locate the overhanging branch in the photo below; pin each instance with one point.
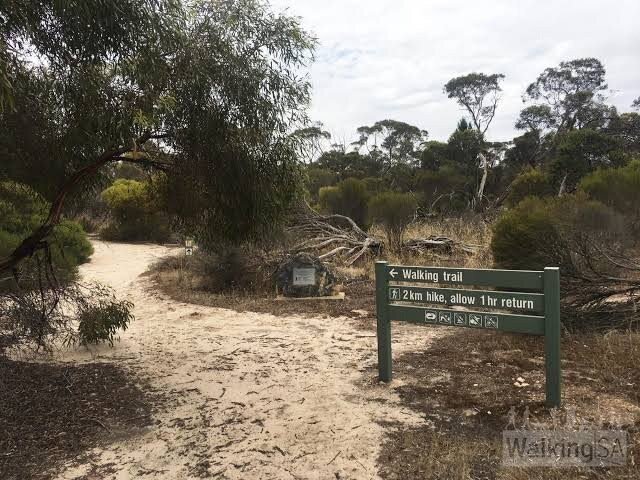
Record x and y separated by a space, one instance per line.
36 241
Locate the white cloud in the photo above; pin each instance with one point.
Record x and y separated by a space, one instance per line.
390 58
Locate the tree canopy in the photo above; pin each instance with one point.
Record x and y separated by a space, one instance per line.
568 95
478 94
206 92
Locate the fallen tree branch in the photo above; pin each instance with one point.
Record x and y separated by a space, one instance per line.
438 244
339 232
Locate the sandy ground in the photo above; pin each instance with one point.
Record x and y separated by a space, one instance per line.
258 396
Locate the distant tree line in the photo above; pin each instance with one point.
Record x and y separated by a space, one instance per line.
568 131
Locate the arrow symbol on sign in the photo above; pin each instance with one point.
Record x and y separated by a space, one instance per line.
393 273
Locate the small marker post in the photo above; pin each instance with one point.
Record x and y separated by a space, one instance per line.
552 336
384 325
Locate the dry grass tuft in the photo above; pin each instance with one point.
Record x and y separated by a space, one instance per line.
470 230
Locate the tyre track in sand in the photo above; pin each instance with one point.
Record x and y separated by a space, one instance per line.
257 396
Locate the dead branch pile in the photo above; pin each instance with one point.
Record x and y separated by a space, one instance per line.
601 287
338 236
328 236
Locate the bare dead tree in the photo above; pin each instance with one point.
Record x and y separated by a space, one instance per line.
332 235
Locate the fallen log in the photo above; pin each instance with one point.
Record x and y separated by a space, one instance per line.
438 244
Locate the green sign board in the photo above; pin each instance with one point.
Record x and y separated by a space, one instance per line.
528 302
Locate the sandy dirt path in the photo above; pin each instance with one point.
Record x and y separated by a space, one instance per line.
257 396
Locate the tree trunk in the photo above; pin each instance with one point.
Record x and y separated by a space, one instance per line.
483 181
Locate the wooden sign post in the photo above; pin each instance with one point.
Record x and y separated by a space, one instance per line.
534 296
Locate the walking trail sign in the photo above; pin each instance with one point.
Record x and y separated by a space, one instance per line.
531 306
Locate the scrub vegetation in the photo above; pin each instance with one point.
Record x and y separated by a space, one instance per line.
163 121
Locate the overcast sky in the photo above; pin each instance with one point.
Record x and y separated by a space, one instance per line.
382 59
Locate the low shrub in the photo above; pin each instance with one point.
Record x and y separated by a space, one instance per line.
548 232
348 198
444 191
394 212
618 188
592 245
230 269
318 178
134 213
532 182
526 237
100 322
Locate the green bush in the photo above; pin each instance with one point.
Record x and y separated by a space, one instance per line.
348 198
527 238
532 182
394 212
71 246
443 191
99 322
540 233
580 152
318 178
618 188
22 210
374 185
329 199
135 213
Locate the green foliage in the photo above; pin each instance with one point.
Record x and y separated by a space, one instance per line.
400 140
464 148
135 213
570 95
236 169
310 140
374 185
555 231
444 191
351 164
532 182
580 152
70 245
435 154
99 322
526 237
218 109
399 177
348 198
317 178
21 211
394 212
478 93
618 188
329 199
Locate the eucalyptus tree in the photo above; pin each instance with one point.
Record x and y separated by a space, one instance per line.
479 95
207 92
312 141
400 141
567 96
